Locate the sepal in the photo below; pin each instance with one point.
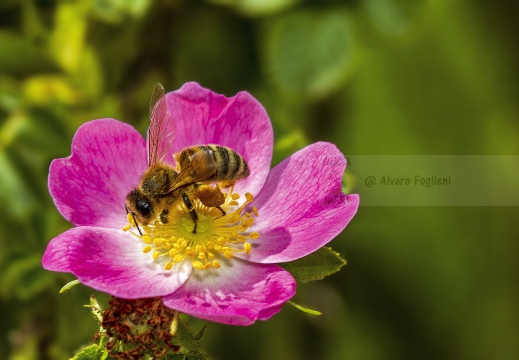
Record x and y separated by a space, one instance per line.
305 309
69 286
92 352
188 343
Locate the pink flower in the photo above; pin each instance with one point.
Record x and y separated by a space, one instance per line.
296 208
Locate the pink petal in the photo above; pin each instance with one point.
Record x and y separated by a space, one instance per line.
199 116
301 206
238 293
90 187
112 261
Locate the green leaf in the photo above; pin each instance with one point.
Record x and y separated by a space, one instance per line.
257 7
310 52
15 184
395 18
316 266
10 94
25 278
68 37
305 309
39 130
189 344
116 11
20 57
92 352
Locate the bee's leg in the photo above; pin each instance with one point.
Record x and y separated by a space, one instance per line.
164 216
191 209
222 210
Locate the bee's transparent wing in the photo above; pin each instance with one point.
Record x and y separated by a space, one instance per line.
198 169
160 133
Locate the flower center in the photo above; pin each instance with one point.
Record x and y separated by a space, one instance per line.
217 236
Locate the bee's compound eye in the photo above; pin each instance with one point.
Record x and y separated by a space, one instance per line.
143 207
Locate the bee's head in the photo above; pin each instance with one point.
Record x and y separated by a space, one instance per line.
140 206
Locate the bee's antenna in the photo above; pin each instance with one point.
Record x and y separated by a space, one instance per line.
137 224
134 219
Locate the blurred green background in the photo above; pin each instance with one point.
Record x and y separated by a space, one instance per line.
397 77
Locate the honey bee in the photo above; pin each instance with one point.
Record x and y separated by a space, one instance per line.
161 185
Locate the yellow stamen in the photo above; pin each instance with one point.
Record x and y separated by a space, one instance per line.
198 265
217 240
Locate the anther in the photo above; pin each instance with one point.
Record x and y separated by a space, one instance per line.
198 265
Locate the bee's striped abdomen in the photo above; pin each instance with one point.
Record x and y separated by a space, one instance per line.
230 165
219 163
